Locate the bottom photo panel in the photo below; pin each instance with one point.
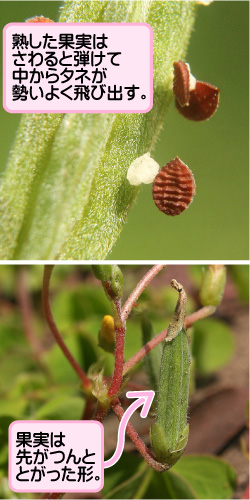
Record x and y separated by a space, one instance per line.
124 381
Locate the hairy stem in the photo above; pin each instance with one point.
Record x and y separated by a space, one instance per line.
50 320
120 328
200 314
135 438
139 289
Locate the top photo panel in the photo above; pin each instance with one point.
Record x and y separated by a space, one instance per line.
124 130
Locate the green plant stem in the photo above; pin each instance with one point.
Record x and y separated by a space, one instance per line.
50 320
196 316
139 289
135 438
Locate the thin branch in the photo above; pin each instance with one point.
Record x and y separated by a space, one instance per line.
200 314
88 408
140 445
50 320
143 351
120 329
204 312
139 289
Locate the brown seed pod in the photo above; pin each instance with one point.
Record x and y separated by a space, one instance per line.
174 188
194 99
38 19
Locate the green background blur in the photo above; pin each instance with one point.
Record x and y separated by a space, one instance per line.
216 224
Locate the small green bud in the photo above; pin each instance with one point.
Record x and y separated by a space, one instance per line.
213 284
107 334
111 278
102 272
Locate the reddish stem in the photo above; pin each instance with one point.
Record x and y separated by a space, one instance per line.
101 412
88 409
119 351
143 351
139 289
50 320
200 314
135 438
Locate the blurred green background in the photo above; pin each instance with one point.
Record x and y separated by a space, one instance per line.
216 224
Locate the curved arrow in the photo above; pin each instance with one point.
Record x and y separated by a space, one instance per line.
145 399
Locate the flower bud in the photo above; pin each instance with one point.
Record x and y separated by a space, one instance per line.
107 334
213 284
111 278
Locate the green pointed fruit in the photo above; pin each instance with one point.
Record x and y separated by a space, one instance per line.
169 434
212 286
111 278
153 358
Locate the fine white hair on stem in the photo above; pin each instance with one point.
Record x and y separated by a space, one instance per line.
142 170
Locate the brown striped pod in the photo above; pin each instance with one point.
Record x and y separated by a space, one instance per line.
174 188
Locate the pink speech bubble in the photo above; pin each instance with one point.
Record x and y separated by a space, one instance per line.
35 470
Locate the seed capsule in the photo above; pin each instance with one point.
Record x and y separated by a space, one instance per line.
174 188
38 19
194 99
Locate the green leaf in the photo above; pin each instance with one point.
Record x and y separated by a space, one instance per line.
13 407
124 478
131 477
61 407
240 275
72 306
169 485
210 477
59 366
12 365
213 345
64 193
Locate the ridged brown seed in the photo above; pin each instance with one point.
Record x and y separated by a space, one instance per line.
174 188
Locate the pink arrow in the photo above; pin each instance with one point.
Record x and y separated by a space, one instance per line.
144 399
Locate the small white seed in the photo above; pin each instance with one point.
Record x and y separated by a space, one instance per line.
142 170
